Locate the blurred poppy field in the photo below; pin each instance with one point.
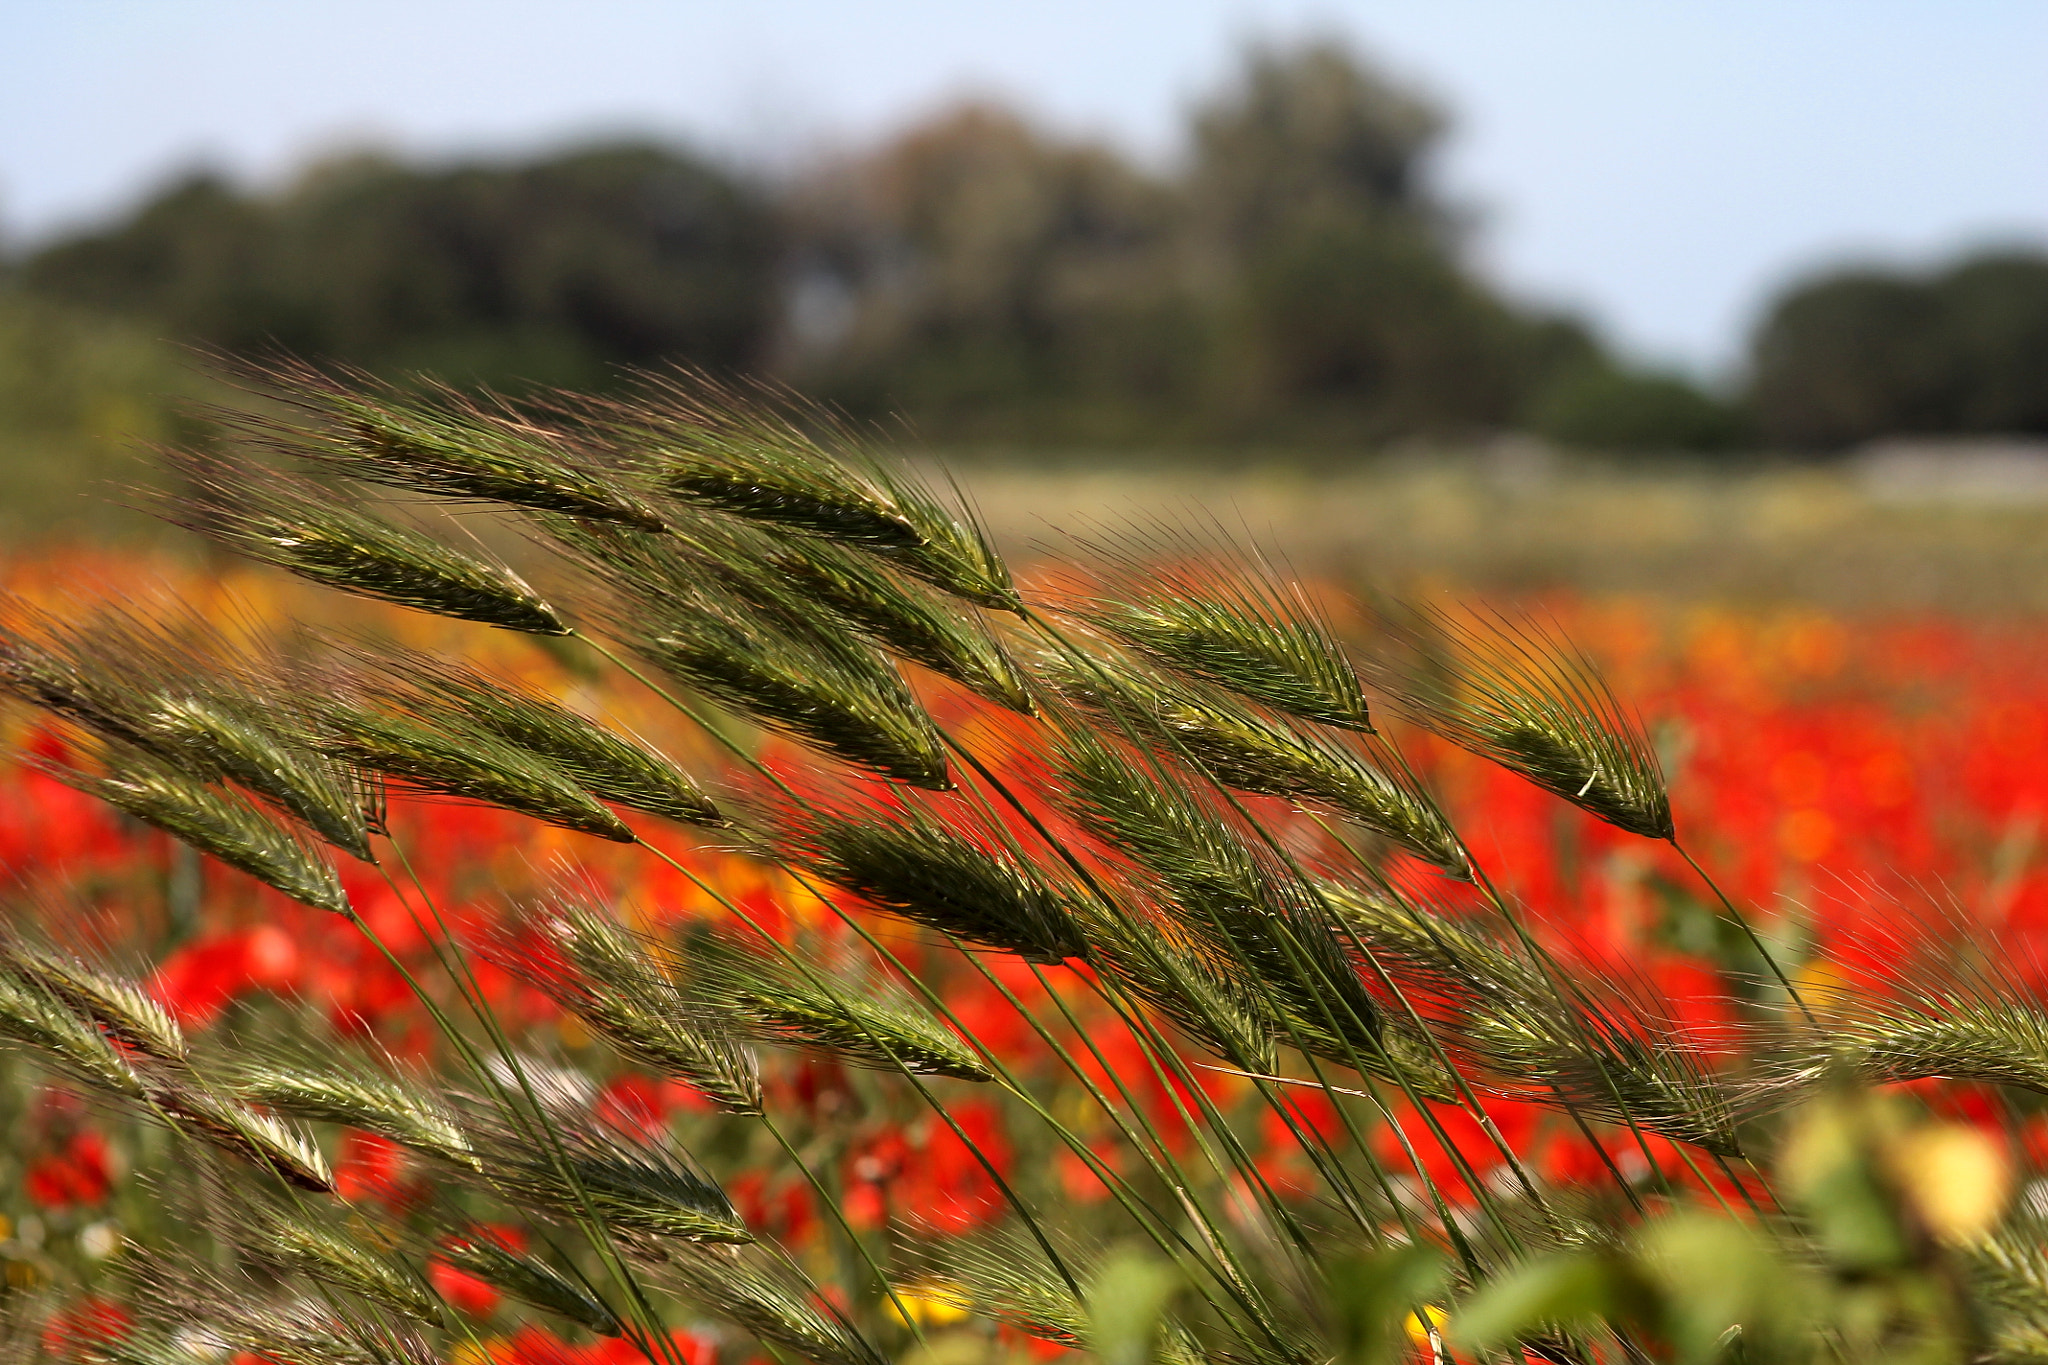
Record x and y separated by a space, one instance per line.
1869 787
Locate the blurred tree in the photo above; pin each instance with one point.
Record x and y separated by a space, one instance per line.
547 271
1996 321
991 281
191 258
1348 313
1609 409
1306 136
1860 354
1369 329
1850 357
1294 282
1297 283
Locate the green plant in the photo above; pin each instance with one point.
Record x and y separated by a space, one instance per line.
1175 807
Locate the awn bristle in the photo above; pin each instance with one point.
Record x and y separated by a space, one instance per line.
441 443
228 828
902 859
1520 696
310 530
1248 753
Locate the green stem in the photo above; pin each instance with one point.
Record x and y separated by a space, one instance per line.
455 964
1749 931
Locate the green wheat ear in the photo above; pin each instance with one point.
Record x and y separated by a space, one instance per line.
1186 976
293 1237
177 1302
1217 614
445 755
2009 1271
328 1084
529 1279
1924 1006
1224 890
1518 1032
311 530
37 1011
610 978
858 1019
438 442
764 455
608 765
228 828
756 649
791 577
126 1011
262 1140
172 688
1520 695
902 859
1246 752
34 1017
639 1188
768 1297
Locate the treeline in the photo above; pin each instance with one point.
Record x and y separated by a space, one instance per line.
1295 282
1860 354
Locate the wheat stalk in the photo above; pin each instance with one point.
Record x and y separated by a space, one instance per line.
763 556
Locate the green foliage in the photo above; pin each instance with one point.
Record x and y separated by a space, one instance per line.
1865 353
1601 408
547 271
1135 886
1370 327
1296 280
1846 1270
1126 1305
1372 1297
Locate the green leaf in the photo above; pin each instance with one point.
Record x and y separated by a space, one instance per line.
1557 1291
1127 1303
1371 1297
1715 1275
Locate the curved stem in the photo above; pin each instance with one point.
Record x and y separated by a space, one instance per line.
1742 922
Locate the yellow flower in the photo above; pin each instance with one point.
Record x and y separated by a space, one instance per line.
933 1303
1957 1178
475 1351
1423 1322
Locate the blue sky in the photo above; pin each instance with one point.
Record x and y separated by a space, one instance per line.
1659 164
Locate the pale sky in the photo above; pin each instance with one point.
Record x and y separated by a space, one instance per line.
1660 165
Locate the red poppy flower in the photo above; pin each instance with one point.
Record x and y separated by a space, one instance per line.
465 1291
369 1167
87 1324
77 1177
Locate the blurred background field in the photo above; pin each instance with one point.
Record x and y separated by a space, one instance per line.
1899 532
1290 314
1812 551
